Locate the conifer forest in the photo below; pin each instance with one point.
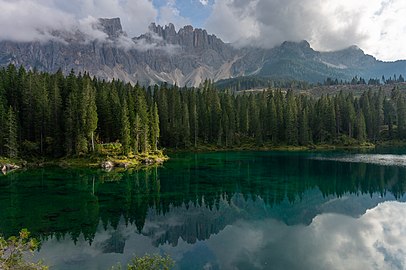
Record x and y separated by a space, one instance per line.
54 115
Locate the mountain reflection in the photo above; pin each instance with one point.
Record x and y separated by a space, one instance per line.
193 197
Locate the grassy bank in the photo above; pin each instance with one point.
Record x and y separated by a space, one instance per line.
271 147
119 161
110 154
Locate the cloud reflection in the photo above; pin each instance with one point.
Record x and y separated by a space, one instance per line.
331 241
375 240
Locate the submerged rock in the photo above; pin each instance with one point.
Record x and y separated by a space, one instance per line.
124 165
107 165
147 161
5 168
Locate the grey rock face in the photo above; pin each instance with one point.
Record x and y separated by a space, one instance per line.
188 57
112 27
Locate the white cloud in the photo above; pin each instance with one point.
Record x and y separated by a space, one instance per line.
27 20
169 13
233 24
331 241
24 20
375 240
376 26
135 15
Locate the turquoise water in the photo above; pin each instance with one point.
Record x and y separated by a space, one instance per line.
233 210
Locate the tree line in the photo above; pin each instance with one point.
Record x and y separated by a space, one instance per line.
55 115
372 81
277 117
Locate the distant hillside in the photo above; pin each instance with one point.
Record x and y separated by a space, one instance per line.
187 57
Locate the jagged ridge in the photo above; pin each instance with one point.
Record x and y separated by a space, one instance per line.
188 56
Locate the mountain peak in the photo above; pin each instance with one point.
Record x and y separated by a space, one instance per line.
187 36
302 44
112 27
355 48
187 57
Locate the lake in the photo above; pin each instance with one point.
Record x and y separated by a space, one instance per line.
225 210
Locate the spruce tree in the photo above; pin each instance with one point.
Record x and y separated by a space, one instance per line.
361 127
155 127
90 112
125 129
10 134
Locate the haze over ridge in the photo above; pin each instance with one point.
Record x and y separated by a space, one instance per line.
376 26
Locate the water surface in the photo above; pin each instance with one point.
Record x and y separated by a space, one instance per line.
234 210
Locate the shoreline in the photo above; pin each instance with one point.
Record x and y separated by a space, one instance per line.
320 147
107 163
157 158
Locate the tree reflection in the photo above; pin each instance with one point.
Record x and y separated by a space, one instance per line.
192 197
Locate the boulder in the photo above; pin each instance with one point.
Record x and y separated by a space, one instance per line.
5 168
107 165
123 165
147 161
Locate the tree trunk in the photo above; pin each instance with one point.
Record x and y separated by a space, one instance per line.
93 141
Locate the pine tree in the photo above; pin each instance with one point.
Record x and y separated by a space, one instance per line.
90 112
401 117
361 127
136 131
10 136
3 115
330 119
378 113
291 119
194 121
142 112
273 121
185 126
125 129
304 132
154 127
350 116
55 102
40 107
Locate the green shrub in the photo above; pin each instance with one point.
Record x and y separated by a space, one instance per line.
149 262
13 249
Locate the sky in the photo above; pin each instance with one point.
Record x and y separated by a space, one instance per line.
376 26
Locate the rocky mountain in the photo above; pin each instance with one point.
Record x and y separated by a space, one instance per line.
187 57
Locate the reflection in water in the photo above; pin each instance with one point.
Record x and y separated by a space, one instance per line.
380 159
331 241
219 210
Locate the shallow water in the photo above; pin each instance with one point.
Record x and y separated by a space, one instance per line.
234 210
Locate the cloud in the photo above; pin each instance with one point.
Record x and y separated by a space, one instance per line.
24 20
169 13
331 241
375 240
151 41
376 26
28 20
135 15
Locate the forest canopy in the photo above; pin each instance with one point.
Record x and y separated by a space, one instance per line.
55 115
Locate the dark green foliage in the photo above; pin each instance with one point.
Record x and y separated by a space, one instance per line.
10 134
148 262
52 115
13 252
125 130
274 117
154 127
